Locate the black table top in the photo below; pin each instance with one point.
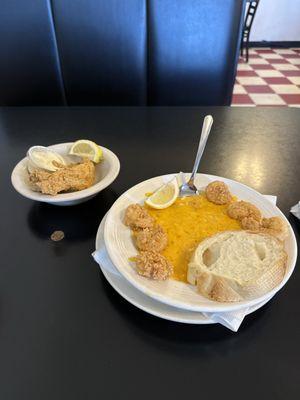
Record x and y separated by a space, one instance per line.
66 334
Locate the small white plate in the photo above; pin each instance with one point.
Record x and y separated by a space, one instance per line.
106 172
143 302
120 247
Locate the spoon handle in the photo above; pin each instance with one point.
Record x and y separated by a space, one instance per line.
207 124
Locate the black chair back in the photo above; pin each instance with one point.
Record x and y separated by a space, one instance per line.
118 52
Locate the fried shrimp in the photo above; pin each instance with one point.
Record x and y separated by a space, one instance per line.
253 221
250 224
153 265
154 239
275 226
217 192
242 209
136 217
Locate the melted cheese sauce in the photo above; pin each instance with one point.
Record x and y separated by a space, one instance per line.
187 222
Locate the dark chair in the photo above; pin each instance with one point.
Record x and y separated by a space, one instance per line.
250 14
119 52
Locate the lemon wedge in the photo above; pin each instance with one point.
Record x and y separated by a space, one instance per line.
87 149
165 196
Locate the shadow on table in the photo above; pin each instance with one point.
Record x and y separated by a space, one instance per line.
78 222
186 338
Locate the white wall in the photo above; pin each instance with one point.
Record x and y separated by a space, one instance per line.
276 20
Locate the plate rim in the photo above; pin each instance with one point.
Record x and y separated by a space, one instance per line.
179 304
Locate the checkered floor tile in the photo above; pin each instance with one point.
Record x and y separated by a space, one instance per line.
270 78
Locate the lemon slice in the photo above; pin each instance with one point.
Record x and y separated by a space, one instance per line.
165 196
87 149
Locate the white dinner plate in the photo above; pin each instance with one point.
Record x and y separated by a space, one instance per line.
142 301
105 173
120 247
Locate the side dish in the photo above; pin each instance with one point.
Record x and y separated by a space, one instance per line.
52 173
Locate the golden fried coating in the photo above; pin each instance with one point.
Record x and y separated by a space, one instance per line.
68 178
153 239
217 192
242 209
136 217
153 265
275 226
250 224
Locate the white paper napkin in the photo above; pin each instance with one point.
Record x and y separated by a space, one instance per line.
102 258
296 210
231 320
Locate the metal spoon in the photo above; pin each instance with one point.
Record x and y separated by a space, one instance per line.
189 188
